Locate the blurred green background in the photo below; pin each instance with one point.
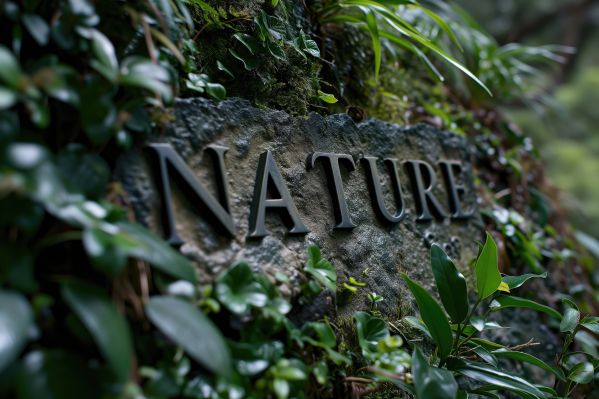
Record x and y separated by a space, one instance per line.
564 119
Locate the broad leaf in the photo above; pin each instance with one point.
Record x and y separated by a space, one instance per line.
56 374
525 357
104 51
105 324
139 243
189 328
582 373
569 320
503 302
487 272
451 285
370 331
16 319
433 316
432 382
321 269
10 71
237 289
516 281
490 375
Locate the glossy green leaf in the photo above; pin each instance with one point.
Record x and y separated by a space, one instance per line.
591 323
189 328
433 316
432 382
487 272
8 98
370 331
451 284
371 23
582 373
505 301
105 54
327 98
516 281
16 320
237 289
10 71
528 358
37 28
105 324
570 320
490 375
56 374
138 242
321 269
142 73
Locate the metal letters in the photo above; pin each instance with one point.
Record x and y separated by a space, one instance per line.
168 161
376 191
271 193
335 183
270 181
424 180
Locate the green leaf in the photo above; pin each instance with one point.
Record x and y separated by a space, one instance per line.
16 319
37 28
591 323
525 357
189 328
432 382
8 98
216 90
105 54
516 281
451 284
370 331
371 24
321 269
56 374
487 272
326 97
10 71
142 73
280 388
505 301
433 316
490 375
582 373
105 324
237 289
569 320
136 241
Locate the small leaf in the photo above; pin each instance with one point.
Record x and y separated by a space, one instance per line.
370 331
105 324
16 319
432 382
321 269
237 289
10 71
451 284
487 272
582 373
8 98
503 287
104 52
326 97
189 328
37 28
433 316
514 282
570 320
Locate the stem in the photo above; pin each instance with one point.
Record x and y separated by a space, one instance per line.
461 327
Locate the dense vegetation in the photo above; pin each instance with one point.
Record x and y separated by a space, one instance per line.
94 305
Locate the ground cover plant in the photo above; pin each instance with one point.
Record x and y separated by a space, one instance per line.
89 296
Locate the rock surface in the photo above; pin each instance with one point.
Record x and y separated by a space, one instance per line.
373 252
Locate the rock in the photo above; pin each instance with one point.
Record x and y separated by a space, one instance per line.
373 252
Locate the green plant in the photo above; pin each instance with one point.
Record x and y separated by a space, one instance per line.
389 21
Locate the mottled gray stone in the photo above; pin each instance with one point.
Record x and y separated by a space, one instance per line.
382 249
